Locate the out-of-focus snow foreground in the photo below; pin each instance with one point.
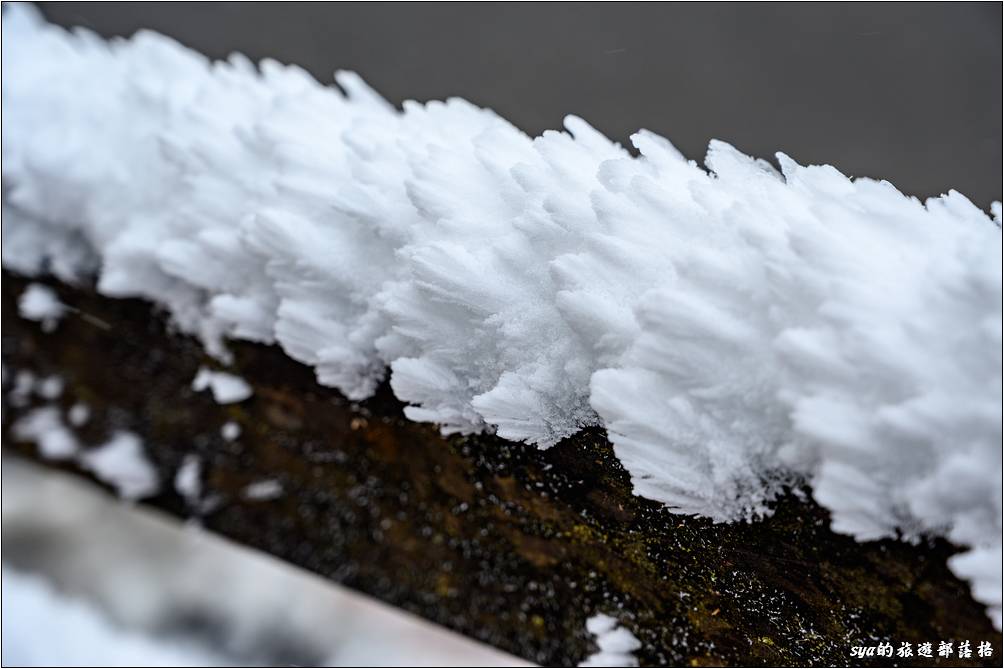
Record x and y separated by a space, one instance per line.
89 581
734 329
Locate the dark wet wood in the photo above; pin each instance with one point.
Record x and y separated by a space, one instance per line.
499 541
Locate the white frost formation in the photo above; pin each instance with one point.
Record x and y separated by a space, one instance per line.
263 491
188 479
226 388
50 388
40 303
45 427
734 329
121 463
617 644
79 414
230 430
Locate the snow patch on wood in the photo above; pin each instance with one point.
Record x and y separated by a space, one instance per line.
617 644
40 303
226 388
121 463
45 427
263 491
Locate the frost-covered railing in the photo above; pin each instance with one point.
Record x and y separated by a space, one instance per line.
735 331
547 554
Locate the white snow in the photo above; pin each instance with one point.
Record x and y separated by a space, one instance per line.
51 387
44 426
40 303
188 479
24 384
230 430
226 388
263 490
121 463
79 414
148 575
617 644
734 329
44 627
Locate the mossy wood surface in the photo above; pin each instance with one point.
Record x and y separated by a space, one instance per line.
499 541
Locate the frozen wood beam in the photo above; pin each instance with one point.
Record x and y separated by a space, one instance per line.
500 541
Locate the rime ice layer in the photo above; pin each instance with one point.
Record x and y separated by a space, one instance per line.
734 329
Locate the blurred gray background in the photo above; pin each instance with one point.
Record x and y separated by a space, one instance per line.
907 92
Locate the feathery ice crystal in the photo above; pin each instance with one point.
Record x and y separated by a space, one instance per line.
734 329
